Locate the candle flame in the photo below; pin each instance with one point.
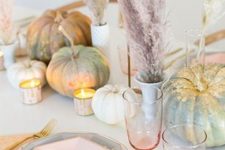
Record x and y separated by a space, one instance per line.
84 93
1 54
30 83
33 83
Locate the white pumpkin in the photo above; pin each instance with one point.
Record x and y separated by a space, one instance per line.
26 70
108 104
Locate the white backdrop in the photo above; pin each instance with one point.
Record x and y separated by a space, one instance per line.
183 14
43 4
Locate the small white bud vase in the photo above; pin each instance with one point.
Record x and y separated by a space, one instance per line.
9 54
148 89
100 35
150 95
21 49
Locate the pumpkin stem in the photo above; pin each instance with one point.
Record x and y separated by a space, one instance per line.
27 63
59 17
74 51
115 89
202 85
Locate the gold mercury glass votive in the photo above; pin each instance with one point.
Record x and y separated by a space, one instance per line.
83 100
31 90
1 60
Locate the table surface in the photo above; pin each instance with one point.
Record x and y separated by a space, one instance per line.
17 118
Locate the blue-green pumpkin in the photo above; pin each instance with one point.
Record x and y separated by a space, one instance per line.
196 94
77 67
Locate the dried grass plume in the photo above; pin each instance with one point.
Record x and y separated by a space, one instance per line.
97 7
145 25
214 10
7 30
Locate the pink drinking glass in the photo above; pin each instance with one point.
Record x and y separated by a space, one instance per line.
124 56
143 120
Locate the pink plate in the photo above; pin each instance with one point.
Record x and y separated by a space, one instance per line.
71 144
74 141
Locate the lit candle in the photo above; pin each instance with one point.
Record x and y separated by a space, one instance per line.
1 60
83 100
31 91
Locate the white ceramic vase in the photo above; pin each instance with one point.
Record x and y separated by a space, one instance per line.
149 90
150 93
100 36
9 53
21 49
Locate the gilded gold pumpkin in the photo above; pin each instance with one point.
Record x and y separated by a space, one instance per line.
197 95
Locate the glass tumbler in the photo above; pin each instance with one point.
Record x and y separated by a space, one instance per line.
143 120
124 54
184 137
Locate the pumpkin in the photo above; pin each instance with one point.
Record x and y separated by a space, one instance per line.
44 38
77 67
108 104
196 94
26 70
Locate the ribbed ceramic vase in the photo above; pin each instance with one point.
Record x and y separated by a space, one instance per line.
9 53
100 35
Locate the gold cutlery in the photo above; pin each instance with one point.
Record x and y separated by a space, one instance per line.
43 133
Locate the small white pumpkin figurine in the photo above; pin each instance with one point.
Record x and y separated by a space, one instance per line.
26 70
108 104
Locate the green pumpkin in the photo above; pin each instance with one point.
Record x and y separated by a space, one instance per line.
75 68
197 95
44 37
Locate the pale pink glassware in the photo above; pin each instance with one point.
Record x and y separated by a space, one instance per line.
123 57
123 53
143 125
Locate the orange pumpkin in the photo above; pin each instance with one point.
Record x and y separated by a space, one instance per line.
44 37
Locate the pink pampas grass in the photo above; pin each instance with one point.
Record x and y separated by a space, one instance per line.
7 30
145 25
97 7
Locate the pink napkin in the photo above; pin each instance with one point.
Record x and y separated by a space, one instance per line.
6 141
71 144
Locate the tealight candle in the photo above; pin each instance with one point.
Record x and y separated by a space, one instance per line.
83 100
1 60
31 91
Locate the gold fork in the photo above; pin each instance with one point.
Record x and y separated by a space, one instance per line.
43 133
